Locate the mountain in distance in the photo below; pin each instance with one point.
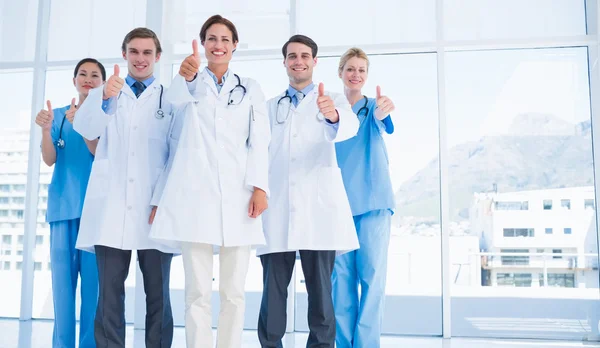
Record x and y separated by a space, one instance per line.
540 151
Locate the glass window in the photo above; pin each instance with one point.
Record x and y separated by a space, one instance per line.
588 204
18 26
512 205
506 110
379 22
548 230
565 204
514 279
261 24
518 232
556 251
15 117
37 266
514 260
18 200
39 240
78 20
491 19
567 230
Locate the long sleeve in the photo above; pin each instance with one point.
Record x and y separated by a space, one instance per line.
347 126
257 165
90 119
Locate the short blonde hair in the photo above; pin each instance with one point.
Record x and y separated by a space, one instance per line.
351 53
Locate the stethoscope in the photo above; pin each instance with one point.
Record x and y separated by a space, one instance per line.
240 86
364 107
60 143
289 98
160 114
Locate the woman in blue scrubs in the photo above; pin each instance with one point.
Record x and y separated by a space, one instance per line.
72 157
364 163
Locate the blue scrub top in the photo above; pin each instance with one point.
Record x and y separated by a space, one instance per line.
364 162
71 171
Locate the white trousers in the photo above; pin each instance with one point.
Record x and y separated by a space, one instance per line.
198 268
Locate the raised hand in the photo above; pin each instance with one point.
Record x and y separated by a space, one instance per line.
191 65
384 105
44 117
326 105
70 114
113 86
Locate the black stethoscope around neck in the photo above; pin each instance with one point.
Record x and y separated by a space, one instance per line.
160 114
364 107
60 143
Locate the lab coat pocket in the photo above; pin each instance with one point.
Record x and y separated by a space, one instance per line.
99 183
331 186
238 118
159 127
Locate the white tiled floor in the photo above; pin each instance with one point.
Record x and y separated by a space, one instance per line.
38 334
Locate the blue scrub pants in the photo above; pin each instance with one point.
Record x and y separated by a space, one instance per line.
358 320
66 264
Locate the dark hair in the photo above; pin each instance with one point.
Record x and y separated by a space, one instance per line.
141 33
90 60
305 40
218 19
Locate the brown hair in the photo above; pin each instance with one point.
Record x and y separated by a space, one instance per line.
351 53
303 39
218 19
141 33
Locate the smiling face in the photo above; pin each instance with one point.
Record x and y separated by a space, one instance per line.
299 63
355 73
88 77
141 55
219 44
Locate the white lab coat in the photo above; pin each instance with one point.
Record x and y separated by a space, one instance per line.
131 156
222 154
308 207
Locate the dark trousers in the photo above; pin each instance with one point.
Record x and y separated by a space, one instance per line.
277 273
113 268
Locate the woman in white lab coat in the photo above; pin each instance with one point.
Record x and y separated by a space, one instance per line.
217 185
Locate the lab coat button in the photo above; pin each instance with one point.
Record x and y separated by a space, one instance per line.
129 207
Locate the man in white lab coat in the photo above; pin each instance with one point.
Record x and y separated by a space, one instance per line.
132 124
308 210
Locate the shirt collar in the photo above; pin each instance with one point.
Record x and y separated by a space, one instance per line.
147 82
292 91
214 77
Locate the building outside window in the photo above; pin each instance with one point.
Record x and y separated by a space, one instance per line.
547 204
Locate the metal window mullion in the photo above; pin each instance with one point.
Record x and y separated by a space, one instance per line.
443 165
33 162
593 15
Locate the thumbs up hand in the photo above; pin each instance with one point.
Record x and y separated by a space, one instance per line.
70 114
384 105
44 117
113 86
190 66
326 105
